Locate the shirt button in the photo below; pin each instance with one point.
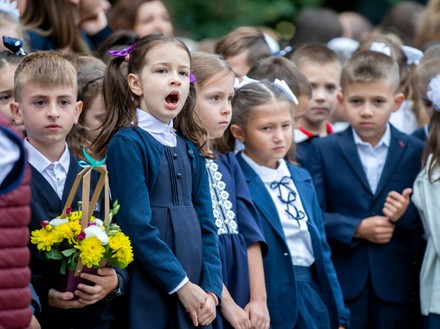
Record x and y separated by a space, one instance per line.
175 156
286 254
179 175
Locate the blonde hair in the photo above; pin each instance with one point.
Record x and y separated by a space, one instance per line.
370 66
45 68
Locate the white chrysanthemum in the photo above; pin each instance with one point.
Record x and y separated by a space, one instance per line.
58 221
94 230
98 222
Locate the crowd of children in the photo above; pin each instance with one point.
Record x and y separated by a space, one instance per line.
260 188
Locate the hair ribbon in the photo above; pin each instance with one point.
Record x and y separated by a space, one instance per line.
413 55
381 47
122 53
14 45
91 162
434 92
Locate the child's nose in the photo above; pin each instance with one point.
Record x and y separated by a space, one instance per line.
175 79
53 111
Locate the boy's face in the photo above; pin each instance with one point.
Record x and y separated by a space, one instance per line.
324 79
369 106
48 113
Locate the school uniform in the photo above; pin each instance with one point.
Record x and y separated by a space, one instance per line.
48 199
238 227
161 183
302 287
303 139
379 281
425 197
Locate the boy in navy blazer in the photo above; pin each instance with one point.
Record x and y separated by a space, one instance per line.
363 177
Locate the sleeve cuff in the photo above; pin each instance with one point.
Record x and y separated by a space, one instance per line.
180 285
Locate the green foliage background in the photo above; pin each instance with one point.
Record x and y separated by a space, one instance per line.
199 19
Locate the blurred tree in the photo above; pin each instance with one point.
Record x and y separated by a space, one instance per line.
199 19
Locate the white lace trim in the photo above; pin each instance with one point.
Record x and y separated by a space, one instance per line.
221 206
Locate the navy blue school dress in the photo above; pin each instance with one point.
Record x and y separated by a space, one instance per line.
167 213
238 227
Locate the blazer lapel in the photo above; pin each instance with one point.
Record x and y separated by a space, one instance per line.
45 190
398 144
261 197
349 150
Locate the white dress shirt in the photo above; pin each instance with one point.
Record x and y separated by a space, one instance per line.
163 133
373 158
54 172
296 231
9 154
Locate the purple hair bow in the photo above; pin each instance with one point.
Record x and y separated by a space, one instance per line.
123 52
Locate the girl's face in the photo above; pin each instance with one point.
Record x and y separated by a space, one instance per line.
93 117
152 17
163 84
6 89
214 103
268 134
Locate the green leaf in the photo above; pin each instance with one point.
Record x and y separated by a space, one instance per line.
54 254
69 252
63 267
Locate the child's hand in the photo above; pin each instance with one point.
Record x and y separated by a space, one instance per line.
193 298
34 323
235 315
208 312
258 314
376 229
396 204
105 282
63 300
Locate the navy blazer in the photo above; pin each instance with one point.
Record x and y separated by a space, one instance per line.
278 269
346 199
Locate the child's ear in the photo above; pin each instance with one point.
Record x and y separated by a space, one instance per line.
340 97
134 83
78 110
16 112
238 133
398 100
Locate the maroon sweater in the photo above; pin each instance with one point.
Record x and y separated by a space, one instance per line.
15 194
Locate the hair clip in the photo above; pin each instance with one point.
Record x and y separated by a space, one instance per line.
381 47
344 46
192 77
434 92
271 43
413 55
10 8
244 81
14 45
281 84
122 53
284 52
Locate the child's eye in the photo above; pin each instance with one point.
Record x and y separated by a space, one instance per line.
286 125
215 98
379 101
184 73
355 101
40 103
266 128
161 71
331 87
5 97
230 99
64 102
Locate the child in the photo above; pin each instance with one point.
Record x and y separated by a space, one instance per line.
322 67
281 68
302 288
363 177
425 196
90 73
425 72
141 16
240 237
242 48
8 65
46 105
162 186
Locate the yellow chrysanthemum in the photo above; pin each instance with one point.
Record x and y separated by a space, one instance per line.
68 231
75 215
44 239
91 251
121 248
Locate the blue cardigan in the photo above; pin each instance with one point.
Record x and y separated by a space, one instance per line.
278 269
133 162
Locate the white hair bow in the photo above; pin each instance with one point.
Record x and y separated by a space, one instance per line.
280 84
434 92
381 47
413 55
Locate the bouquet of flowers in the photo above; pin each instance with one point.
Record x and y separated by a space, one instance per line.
77 239
63 239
